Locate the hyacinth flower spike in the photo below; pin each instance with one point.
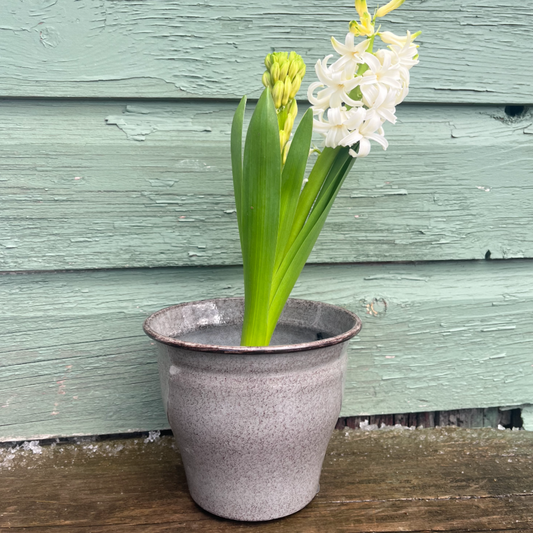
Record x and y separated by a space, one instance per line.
280 214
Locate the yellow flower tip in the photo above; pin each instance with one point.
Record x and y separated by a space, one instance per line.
274 73
285 151
366 22
295 86
387 8
266 79
284 70
367 28
361 8
277 93
289 123
354 28
287 89
292 109
293 69
283 138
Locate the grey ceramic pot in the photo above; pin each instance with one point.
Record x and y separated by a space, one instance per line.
252 423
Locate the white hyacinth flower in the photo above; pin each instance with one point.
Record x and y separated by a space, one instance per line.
338 125
350 53
400 96
381 102
382 72
367 131
390 38
359 92
405 55
338 85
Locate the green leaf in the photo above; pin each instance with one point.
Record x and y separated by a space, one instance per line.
339 162
296 257
260 201
236 158
308 196
291 180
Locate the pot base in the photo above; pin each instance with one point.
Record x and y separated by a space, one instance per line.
261 512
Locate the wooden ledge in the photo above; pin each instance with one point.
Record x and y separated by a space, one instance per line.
440 479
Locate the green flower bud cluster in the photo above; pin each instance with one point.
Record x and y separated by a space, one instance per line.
284 76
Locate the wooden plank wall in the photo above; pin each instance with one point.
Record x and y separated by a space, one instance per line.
116 196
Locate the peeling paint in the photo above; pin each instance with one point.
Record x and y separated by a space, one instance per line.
213 50
137 123
430 338
124 210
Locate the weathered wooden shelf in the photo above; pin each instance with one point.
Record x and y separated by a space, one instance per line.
438 479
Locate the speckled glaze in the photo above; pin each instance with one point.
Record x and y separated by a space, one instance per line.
252 423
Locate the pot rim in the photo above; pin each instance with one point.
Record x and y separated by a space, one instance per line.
284 348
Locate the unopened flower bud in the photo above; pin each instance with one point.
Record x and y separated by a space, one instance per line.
301 72
287 88
293 69
295 86
391 6
283 138
266 79
274 72
277 93
268 61
285 151
361 7
292 109
289 123
283 70
354 28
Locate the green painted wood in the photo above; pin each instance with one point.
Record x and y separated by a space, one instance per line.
436 337
110 185
182 49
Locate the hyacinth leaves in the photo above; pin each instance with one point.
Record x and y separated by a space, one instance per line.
279 222
236 157
257 195
292 179
298 251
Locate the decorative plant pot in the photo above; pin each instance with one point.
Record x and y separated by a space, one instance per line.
252 423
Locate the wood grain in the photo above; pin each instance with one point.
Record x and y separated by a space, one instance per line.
380 481
78 191
436 337
187 49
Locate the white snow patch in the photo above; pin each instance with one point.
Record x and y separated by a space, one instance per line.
6 458
365 426
32 446
153 436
